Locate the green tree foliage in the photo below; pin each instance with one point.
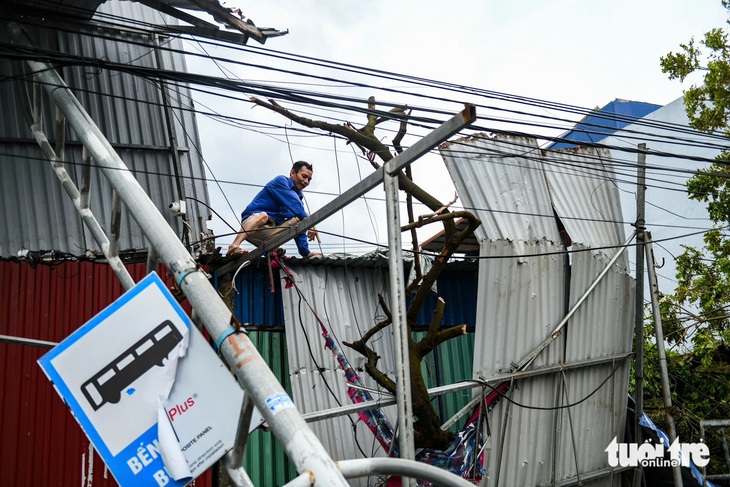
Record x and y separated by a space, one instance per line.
695 316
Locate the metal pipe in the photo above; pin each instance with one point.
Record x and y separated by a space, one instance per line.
26 341
461 386
234 458
662 355
239 477
401 335
363 467
290 429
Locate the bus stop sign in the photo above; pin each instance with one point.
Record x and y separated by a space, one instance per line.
154 399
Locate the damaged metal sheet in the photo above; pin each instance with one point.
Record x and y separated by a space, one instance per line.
501 180
521 297
602 327
586 197
525 290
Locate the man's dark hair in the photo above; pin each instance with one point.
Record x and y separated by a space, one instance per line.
300 164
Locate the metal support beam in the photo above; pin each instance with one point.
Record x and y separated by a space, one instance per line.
80 200
401 335
27 341
234 458
440 134
462 386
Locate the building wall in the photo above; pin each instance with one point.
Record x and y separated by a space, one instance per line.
36 213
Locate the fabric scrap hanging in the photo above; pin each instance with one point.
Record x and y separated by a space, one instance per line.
465 455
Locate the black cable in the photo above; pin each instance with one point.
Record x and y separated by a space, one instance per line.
445 100
484 382
211 209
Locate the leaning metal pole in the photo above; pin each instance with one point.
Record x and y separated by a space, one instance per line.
400 326
662 355
530 357
292 432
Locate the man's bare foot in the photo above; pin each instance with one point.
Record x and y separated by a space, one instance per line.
234 251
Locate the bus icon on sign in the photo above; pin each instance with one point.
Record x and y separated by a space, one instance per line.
107 385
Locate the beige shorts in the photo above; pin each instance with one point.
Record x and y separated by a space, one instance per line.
270 230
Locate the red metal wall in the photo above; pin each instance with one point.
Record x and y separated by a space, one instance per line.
40 442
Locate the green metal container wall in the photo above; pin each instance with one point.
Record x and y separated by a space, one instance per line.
451 362
265 460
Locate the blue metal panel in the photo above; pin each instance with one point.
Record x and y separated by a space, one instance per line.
459 290
254 303
601 123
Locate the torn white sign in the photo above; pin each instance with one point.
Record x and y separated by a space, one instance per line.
116 372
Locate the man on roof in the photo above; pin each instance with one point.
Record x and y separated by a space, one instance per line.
276 208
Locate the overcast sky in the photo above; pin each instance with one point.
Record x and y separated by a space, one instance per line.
573 52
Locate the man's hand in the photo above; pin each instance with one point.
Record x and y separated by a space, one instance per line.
312 234
314 254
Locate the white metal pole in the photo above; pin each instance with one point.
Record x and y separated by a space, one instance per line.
400 325
659 331
363 467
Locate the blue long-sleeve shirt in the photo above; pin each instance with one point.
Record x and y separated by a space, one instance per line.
281 200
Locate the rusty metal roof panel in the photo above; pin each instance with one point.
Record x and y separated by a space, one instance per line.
129 111
585 195
500 178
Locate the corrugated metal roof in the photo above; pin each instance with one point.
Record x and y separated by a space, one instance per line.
602 327
521 297
347 302
520 302
601 123
40 441
37 213
501 180
254 303
585 196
